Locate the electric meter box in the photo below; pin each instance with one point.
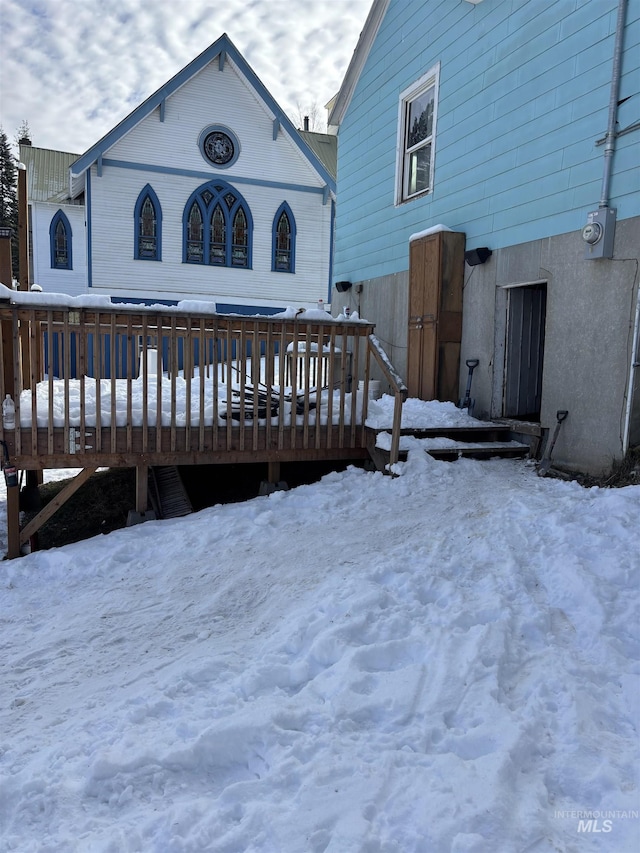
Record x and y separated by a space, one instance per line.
599 232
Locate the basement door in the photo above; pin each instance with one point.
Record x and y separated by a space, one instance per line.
526 317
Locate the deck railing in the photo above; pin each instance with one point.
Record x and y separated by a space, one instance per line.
115 385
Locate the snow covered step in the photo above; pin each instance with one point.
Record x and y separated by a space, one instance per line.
449 444
448 449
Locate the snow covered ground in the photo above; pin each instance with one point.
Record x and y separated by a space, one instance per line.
442 662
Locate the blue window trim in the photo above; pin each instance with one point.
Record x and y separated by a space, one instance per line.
212 128
284 208
147 192
217 196
60 217
139 166
87 191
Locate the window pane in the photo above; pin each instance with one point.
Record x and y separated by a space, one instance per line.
239 250
217 242
283 244
419 163
420 118
61 259
148 219
147 233
195 249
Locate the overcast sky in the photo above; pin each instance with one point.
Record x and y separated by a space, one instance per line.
74 68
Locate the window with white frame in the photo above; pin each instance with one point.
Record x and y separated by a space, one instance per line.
416 137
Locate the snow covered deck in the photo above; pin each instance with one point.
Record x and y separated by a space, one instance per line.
97 384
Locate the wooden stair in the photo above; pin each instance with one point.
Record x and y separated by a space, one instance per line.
168 495
451 443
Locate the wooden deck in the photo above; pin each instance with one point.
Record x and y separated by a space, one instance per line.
115 385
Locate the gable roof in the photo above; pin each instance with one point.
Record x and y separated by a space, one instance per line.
222 48
370 30
47 173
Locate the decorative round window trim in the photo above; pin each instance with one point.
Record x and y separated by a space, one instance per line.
219 146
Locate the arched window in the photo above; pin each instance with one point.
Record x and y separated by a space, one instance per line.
195 235
218 239
148 226
284 240
60 242
217 227
240 246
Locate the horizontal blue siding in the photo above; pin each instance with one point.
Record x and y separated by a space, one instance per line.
524 95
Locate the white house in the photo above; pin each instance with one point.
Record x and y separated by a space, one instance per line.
205 191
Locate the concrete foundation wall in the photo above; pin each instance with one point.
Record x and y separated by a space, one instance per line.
385 302
589 337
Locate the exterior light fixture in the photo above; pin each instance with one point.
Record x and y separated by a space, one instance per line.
343 286
477 256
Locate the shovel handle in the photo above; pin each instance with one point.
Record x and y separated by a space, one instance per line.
472 363
561 414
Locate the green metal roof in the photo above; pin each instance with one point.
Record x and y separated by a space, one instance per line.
47 173
325 147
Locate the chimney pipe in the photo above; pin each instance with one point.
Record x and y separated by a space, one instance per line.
306 122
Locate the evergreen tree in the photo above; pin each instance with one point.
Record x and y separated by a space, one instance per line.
23 133
9 197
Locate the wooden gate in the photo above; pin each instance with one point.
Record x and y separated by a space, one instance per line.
436 272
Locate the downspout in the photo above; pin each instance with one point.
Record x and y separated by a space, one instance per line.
635 365
610 138
610 142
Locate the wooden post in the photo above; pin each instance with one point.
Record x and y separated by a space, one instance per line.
23 267
23 229
13 522
142 488
273 472
7 326
13 496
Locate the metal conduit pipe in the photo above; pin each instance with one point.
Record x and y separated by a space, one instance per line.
610 139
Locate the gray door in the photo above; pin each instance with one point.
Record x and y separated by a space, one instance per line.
526 315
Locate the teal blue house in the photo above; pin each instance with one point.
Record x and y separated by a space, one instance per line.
516 124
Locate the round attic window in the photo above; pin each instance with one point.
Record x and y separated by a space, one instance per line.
219 146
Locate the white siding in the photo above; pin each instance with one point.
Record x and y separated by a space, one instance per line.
211 98
216 97
74 281
117 272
